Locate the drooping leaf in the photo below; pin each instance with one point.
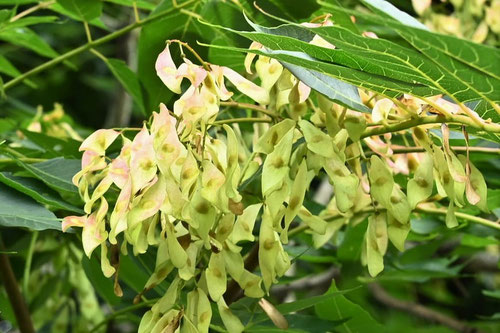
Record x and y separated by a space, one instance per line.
56 173
37 191
27 38
18 210
128 79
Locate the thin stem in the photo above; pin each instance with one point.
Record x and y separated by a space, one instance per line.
407 150
29 258
33 9
241 120
400 126
136 12
197 56
93 44
16 299
249 106
25 160
87 31
464 216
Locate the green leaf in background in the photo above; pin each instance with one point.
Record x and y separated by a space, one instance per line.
18 210
25 37
492 293
32 20
85 10
128 79
477 241
356 318
56 173
38 191
305 303
102 285
54 146
6 67
390 10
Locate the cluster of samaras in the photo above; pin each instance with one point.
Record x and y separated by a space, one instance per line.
178 183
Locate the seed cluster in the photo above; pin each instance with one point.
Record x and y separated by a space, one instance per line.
179 184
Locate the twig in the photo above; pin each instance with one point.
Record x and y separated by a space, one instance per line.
249 106
400 126
33 9
241 120
93 44
419 310
306 283
21 311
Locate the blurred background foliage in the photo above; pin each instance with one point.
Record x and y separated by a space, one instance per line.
453 272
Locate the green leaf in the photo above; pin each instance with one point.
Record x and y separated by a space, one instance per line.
37 191
85 10
25 37
492 293
6 67
390 10
128 79
302 304
476 241
18 210
55 146
102 285
56 173
140 3
31 20
340 308
56 7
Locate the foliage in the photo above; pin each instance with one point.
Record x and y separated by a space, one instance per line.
288 137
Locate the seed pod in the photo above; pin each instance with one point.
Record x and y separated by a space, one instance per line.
451 219
269 71
106 267
118 219
397 232
421 137
94 231
163 266
250 283
244 224
149 203
345 184
381 110
268 250
204 311
187 272
212 180
189 174
375 244
275 166
476 189
169 299
176 253
276 317
233 167
231 322
270 138
399 208
216 276
142 160
355 124
234 264
317 141
420 186
258 94
381 181
297 193
331 229
168 323
315 223
445 178
201 210
99 141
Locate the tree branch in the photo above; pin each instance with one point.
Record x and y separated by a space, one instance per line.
419 310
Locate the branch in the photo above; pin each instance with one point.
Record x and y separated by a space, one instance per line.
457 119
419 310
93 44
16 299
241 120
306 283
249 106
